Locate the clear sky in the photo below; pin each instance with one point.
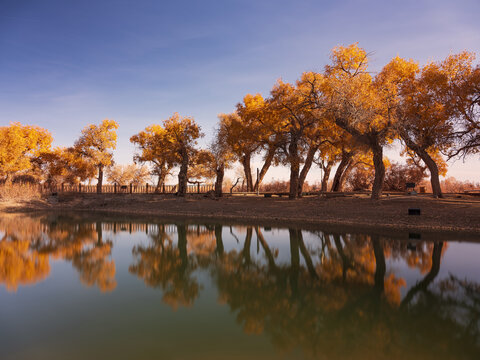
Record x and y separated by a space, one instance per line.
68 63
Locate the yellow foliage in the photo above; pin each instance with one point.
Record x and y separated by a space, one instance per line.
19 145
96 141
63 165
20 266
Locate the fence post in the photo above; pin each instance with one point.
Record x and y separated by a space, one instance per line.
63 187
146 188
131 187
198 188
115 188
80 187
164 188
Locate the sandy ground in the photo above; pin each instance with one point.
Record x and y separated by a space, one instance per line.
453 213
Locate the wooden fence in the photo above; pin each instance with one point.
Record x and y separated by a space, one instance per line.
129 189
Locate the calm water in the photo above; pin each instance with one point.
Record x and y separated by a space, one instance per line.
73 287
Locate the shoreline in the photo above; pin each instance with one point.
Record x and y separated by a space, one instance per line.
450 215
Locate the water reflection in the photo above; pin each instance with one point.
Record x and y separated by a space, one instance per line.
332 297
28 244
344 304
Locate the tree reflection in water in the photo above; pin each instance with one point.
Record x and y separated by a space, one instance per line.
332 298
28 244
336 300
168 267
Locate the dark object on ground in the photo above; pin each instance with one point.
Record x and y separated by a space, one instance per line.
413 211
414 236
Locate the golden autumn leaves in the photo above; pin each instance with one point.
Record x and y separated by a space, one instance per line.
28 246
18 145
349 111
167 146
345 115
27 150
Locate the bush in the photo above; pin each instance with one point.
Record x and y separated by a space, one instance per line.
397 175
25 179
275 186
360 178
284 186
452 185
19 192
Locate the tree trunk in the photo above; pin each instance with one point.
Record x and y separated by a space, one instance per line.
182 174
431 164
346 171
345 261
100 179
182 246
266 248
337 179
218 238
380 265
162 174
377 150
380 270
265 167
433 168
306 256
246 247
428 279
326 175
294 167
248 171
306 168
294 261
161 180
98 228
219 180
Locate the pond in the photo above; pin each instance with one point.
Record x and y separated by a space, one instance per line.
77 287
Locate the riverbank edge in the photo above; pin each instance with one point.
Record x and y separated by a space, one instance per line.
404 231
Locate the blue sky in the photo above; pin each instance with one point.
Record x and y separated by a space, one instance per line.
65 64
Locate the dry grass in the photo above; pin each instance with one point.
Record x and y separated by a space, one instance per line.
19 192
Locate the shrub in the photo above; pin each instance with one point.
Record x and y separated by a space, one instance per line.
360 178
397 175
19 192
452 185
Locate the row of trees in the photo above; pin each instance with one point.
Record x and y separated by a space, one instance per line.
347 116
341 118
27 150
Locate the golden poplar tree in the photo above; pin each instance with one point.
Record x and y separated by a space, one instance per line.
181 134
153 147
353 100
19 145
95 145
427 108
173 144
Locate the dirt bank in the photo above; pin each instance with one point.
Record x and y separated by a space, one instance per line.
450 214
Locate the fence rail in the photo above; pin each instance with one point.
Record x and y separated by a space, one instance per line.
129 189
